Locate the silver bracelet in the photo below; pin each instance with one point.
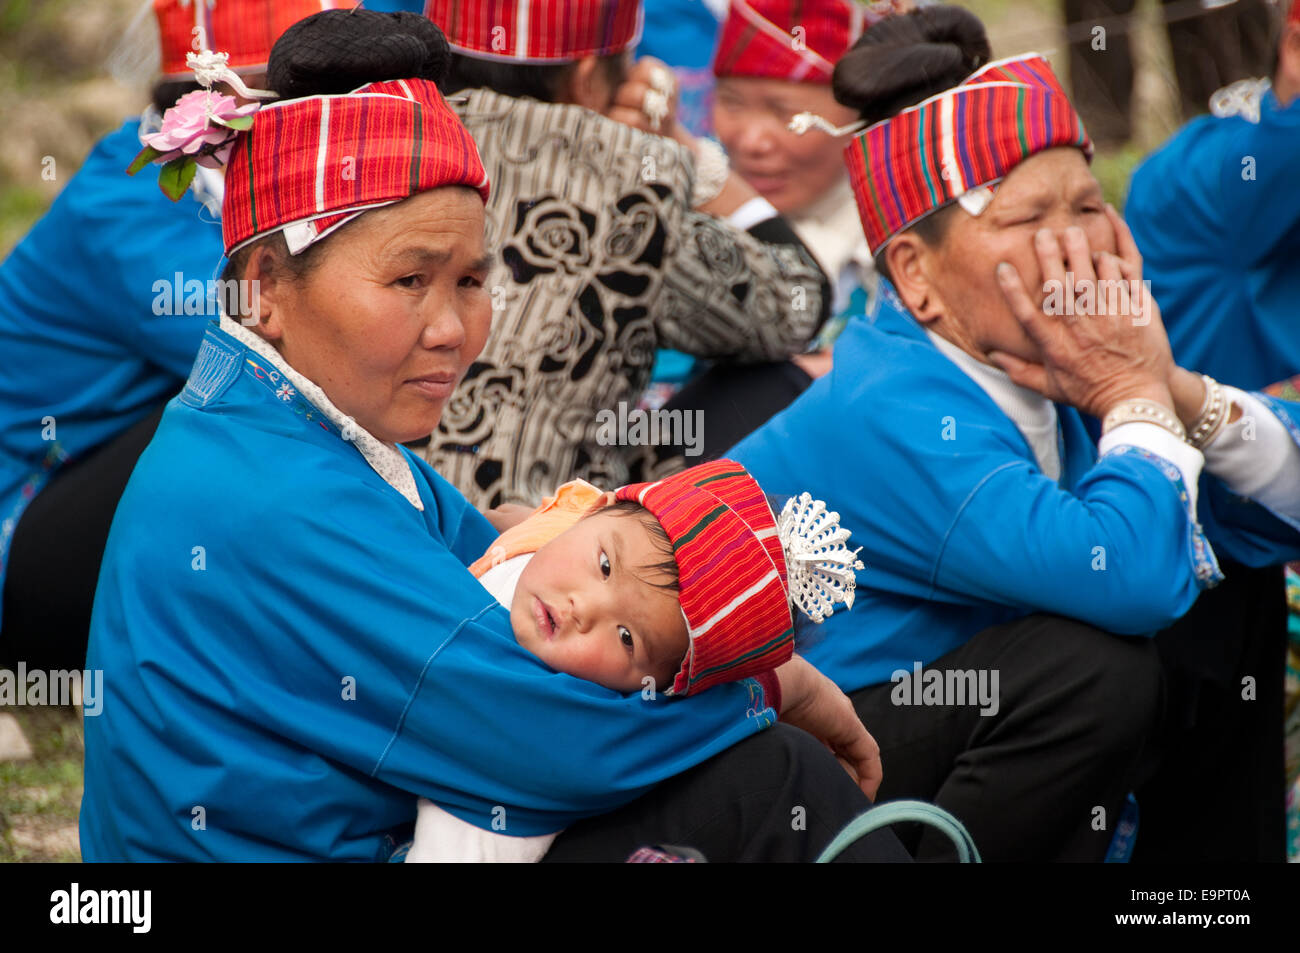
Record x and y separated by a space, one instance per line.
711 172
1146 412
1214 414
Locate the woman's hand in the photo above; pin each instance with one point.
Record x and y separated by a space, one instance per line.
1116 351
507 515
811 701
647 76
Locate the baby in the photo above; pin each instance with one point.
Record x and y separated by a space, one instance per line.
670 587
592 588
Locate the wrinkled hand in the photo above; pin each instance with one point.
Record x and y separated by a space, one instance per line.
507 515
1116 351
811 701
648 75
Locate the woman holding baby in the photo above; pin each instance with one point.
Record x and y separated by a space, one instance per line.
293 648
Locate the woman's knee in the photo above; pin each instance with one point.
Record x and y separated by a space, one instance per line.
1113 681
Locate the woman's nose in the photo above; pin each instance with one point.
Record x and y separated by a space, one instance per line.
757 138
444 327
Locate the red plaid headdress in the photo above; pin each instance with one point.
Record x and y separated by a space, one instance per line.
798 40
246 29
732 568
960 141
537 31
309 165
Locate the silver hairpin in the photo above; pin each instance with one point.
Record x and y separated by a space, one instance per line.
800 123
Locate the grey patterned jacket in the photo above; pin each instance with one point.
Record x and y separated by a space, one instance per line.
601 260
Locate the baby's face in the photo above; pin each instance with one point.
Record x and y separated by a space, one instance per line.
583 606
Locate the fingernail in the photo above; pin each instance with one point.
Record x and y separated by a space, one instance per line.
1004 270
1043 235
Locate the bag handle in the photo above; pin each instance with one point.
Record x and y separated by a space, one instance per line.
895 812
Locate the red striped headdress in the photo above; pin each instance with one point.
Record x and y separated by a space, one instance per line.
309 165
731 572
739 568
798 40
246 29
537 31
965 138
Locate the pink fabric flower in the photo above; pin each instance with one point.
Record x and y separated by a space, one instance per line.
188 127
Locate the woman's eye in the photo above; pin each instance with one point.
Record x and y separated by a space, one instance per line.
625 637
604 564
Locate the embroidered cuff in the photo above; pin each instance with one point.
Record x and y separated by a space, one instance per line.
1162 443
1204 563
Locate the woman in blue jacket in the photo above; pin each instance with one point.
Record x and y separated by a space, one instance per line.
291 644
102 307
949 434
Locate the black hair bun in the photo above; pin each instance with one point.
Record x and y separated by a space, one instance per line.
335 51
903 60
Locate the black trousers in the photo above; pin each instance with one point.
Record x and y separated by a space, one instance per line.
734 400
56 550
778 796
1046 776
1224 664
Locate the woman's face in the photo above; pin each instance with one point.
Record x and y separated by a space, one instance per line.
1051 190
790 171
392 314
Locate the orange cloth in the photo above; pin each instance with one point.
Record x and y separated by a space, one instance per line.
553 517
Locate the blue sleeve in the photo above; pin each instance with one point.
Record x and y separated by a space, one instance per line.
447 705
1119 550
1242 529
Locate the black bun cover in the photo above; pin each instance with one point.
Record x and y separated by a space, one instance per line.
903 60
335 51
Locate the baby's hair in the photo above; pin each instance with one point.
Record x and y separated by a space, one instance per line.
666 570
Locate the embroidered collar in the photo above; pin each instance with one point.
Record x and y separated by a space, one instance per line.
384 458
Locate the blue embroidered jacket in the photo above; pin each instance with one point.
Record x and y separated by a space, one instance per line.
292 652
961 529
89 344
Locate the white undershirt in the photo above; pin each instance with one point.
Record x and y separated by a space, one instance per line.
1032 413
500 581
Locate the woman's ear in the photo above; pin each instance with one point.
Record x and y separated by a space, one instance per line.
268 305
585 85
1286 83
911 263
